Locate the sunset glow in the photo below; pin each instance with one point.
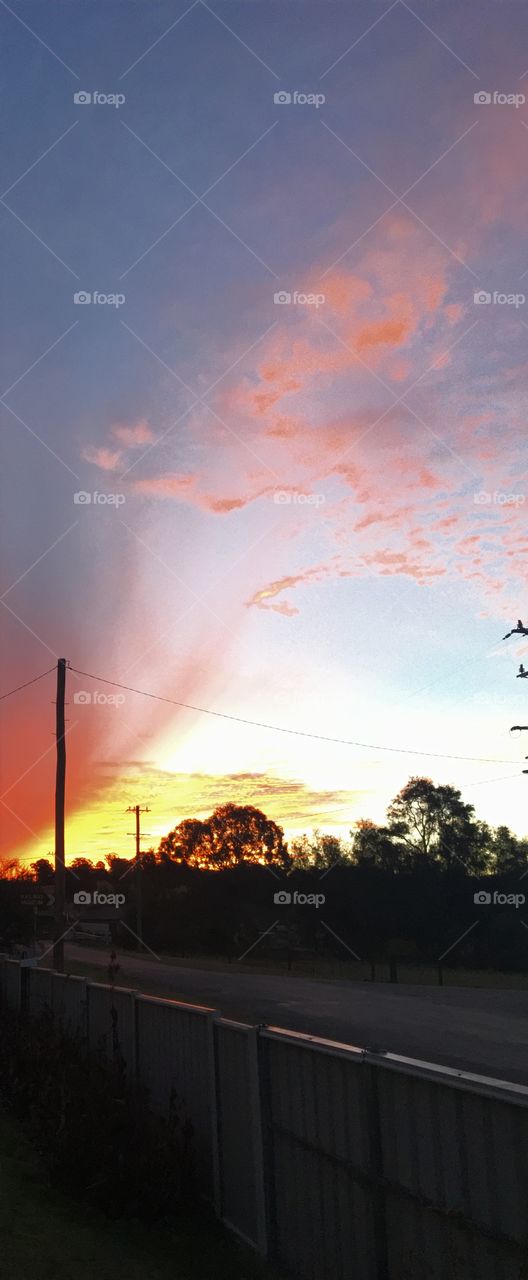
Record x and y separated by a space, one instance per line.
299 441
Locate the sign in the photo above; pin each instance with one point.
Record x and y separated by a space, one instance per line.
44 897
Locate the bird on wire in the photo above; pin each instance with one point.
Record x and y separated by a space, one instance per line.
519 630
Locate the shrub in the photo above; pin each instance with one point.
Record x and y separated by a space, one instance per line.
96 1137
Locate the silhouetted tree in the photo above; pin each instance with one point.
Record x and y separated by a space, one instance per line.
14 869
318 853
509 853
434 824
375 846
190 842
43 871
232 835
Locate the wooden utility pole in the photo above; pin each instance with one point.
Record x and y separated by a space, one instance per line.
60 791
138 810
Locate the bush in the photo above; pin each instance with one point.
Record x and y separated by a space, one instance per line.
97 1138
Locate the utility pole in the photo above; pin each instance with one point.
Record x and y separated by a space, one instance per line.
60 790
138 809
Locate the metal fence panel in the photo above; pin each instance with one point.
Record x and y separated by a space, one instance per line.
426 1245
39 995
447 1145
236 1127
12 984
318 1132
70 1002
111 1024
406 1172
323 1220
354 1165
173 1045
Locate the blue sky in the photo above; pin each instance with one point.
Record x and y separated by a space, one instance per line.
368 601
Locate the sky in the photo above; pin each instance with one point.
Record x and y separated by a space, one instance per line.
264 365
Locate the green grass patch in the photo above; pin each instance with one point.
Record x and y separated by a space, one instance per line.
323 969
48 1237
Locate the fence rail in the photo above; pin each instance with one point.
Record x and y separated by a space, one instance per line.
333 1161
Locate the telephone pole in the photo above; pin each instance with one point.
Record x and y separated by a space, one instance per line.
60 790
138 809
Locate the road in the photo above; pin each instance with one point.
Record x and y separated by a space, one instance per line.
471 1029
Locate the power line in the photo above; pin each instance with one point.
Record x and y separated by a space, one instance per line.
301 733
28 682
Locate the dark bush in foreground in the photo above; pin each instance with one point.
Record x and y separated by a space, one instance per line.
97 1139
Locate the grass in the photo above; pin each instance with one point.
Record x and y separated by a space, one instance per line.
321 968
49 1237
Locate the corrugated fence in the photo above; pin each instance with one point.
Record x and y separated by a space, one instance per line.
334 1162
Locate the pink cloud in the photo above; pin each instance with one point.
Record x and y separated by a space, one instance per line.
312 412
104 458
184 488
269 593
134 434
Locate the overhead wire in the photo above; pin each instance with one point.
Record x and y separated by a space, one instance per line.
301 733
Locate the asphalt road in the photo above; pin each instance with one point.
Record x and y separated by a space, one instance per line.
479 1030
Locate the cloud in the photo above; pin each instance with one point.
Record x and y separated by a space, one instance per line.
185 488
287 800
315 408
316 573
108 457
133 435
102 457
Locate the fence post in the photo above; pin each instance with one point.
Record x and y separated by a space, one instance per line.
24 989
256 1085
376 1170
213 1104
267 1143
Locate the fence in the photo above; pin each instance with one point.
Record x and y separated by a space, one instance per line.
334 1162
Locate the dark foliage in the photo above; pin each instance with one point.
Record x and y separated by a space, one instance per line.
97 1140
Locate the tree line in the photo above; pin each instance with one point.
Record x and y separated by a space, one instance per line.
415 887
427 825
